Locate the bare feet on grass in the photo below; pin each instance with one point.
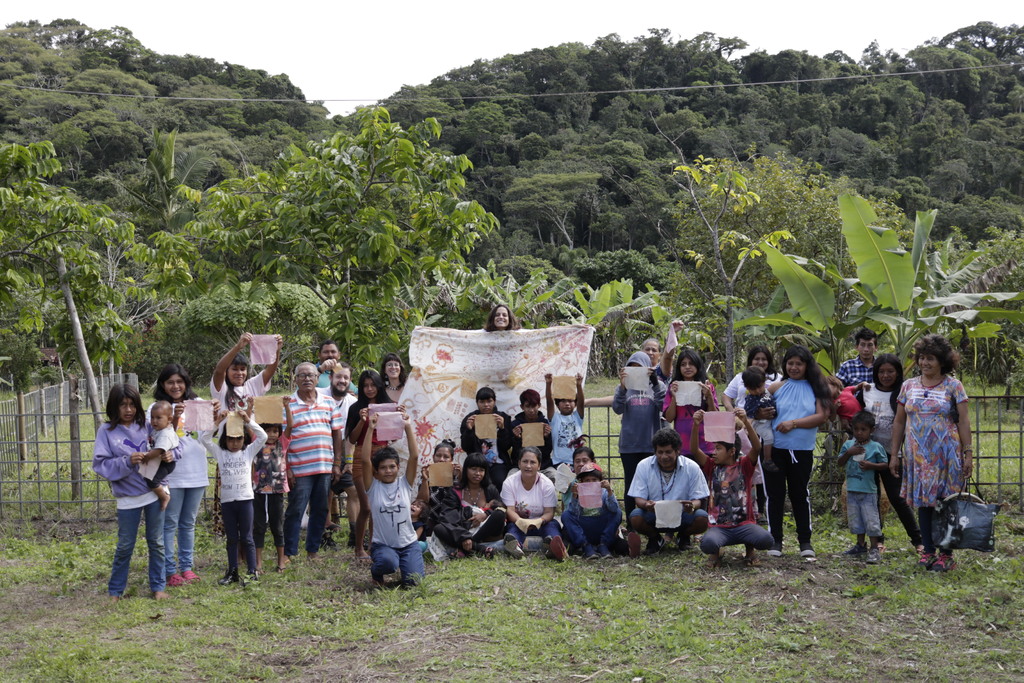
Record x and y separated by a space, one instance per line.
160 595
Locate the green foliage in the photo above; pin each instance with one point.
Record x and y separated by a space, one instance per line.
20 358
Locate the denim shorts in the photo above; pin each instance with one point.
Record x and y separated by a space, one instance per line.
862 513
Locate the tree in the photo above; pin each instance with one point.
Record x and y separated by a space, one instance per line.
355 218
49 243
553 199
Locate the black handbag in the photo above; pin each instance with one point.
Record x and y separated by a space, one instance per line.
965 521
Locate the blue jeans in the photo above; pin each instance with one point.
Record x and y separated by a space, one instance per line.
127 531
717 537
686 519
387 560
862 513
313 490
180 522
597 530
547 529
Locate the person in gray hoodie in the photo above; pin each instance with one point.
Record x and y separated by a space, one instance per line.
641 418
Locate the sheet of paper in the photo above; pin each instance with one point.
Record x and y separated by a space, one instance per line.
720 425
390 426
268 410
668 514
688 393
563 386
671 342
375 408
147 468
235 424
563 477
263 349
198 416
638 379
589 494
533 433
440 474
486 427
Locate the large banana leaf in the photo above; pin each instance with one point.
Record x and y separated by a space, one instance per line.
781 319
922 231
813 300
882 264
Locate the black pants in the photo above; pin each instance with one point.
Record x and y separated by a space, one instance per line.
498 471
629 463
892 492
237 517
491 529
794 474
268 507
162 470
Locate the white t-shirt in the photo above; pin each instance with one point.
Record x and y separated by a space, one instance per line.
253 386
738 393
528 503
877 403
345 403
564 430
235 467
392 516
165 439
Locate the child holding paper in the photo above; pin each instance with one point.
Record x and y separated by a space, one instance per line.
497 449
370 391
235 454
531 414
592 517
269 478
395 545
566 422
732 515
689 368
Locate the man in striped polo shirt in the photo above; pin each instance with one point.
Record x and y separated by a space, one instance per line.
316 440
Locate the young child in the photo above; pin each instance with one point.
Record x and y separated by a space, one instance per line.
844 403
593 531
235 455
117 454
395 545
529 400
758 397
270 480
162 440
862 457
566 422
418 513
732 515
443 515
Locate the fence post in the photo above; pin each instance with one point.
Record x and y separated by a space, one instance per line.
22 428
74 436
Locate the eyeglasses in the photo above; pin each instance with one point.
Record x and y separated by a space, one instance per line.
305 375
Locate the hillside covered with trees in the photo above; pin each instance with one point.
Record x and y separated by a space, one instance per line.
574 150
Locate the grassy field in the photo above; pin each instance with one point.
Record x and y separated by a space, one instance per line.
661 618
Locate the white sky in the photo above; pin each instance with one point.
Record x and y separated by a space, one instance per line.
367 51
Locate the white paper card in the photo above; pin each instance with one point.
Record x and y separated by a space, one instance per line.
668 514
637 378
688 393
563 477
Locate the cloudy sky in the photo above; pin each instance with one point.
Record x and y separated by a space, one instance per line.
366 51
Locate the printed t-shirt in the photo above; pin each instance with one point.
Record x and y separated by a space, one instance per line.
564 430
858 480
731 502
392 516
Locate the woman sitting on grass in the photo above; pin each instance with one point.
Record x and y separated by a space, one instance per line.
530 501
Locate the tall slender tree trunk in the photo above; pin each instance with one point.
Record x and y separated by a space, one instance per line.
76 332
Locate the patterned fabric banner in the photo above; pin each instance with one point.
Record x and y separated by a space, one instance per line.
449 366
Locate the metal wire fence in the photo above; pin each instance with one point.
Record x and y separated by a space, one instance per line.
46 440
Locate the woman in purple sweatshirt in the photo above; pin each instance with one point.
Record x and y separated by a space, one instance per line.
122 444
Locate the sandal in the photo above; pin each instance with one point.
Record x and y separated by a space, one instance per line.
751 562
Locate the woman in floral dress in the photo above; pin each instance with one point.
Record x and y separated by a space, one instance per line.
932 429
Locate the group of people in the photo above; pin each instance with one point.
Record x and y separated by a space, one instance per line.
913 438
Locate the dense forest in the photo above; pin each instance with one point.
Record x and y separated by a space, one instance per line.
573 149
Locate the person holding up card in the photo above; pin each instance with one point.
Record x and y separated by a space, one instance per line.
689 374
492 436
530 427
638 399
592 517
567 421
667 477
732 514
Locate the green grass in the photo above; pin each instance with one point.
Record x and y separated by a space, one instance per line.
660 619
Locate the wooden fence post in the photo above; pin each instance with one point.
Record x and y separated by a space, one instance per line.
22 428
74 436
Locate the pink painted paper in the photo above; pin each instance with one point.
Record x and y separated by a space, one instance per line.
198 416
589 494
719 426
390 426
263 349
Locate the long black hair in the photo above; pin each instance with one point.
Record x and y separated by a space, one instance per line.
231 395
701 376
893 360
373 376
170 370
812 374
474 460
118 393
761 348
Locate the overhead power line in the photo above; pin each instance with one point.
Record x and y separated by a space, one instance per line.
505 96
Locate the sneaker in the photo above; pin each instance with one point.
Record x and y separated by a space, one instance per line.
175 580
926 560
589 553
874 556
189 576
556 548
603 551
253 577
513 548
775 550
633 541
856 549
806 550
654 545
943 563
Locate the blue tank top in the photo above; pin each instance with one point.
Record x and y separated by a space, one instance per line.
794 400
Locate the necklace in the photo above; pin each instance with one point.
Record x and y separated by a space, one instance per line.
473 498
670 479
